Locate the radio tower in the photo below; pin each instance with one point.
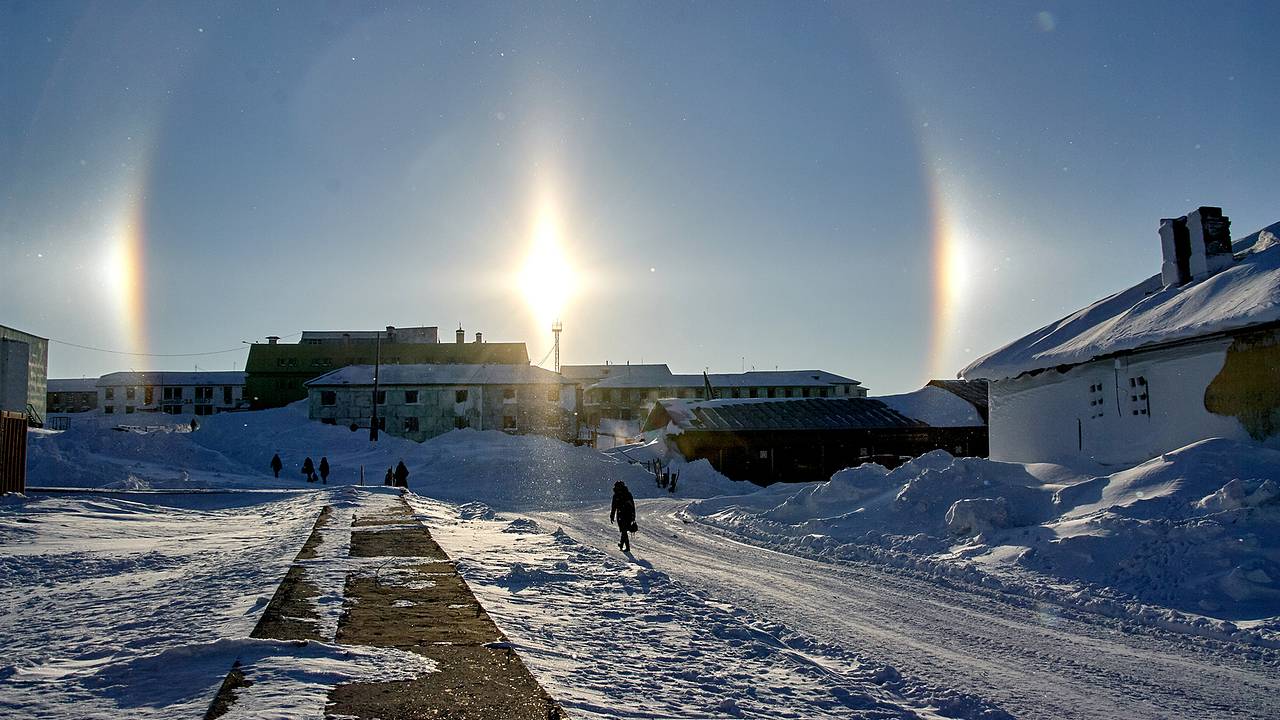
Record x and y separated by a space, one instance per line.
556 327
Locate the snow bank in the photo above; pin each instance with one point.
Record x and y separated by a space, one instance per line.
234 449
1196 530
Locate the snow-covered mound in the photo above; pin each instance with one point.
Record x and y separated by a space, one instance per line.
235 449
1196 530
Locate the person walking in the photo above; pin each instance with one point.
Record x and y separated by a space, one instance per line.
276 465
309 469
389 479
402 475
324 470
623 511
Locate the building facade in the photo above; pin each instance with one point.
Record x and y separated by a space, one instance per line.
628 393
797 440
171 393
73 395
278 372
24 364
1188 354
422 401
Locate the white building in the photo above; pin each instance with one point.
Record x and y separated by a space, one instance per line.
1190 353
425 400
173 393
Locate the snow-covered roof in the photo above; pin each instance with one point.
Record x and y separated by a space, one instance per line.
1243 295
936 406
439 374
596 372
116 379
72 385
754 378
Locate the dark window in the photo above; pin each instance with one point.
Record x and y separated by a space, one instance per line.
329 421
111 393
752 393
773 392
226 395
108 409
508 393
204 410
130 393
411 424
328 397
460 396
204 393
382 397
553 394
508 422
128 409
411 397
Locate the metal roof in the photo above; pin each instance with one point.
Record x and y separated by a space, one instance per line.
660 377
72 385
225 377
791 414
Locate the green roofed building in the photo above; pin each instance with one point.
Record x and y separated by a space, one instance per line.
277 371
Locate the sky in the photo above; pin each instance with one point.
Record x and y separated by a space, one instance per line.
882 190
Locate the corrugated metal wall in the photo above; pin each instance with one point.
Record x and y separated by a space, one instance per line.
13 452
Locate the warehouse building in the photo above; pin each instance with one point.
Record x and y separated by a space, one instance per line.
24 363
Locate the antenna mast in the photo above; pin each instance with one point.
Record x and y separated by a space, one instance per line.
556 327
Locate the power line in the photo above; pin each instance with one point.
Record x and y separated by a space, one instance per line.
158 355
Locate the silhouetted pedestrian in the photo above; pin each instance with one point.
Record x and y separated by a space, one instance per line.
309 469
623 510
402 475
194 425
389 479
324 470
276 465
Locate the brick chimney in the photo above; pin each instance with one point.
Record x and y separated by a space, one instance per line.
1195 246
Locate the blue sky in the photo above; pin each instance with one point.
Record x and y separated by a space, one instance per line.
885 190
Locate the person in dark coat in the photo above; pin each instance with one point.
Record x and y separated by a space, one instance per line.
402 475
324 470
309 469
276 465
389 479
623 511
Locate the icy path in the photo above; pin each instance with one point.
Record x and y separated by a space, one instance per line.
1031 662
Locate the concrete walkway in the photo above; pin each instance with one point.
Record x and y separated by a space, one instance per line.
420 607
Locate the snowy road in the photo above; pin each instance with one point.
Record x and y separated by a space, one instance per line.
1031 661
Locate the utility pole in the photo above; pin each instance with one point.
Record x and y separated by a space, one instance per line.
377 362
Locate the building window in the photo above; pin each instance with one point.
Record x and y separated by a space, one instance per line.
204 410
805 392
130 393
204 393
381 397
508 422
109 409
508 393
460 396
553 394
824 392
773 392
460 422
382 423
128 409
111 393
226 394
752 393
328 397
411 424
173 409
411 398
1139 396
149 396
1097 401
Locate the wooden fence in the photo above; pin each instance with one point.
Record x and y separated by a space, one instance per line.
13 452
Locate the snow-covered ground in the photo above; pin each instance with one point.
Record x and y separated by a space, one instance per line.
947 587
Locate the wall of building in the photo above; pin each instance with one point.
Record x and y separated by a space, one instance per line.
24 362
539 409
125 399
72 401
1122 411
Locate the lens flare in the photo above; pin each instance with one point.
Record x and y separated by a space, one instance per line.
953 250
123 272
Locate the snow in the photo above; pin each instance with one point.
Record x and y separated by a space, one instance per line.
935 406
1243 295
956 587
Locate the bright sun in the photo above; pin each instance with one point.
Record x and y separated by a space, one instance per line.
547 280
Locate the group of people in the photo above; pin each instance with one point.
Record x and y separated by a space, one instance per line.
398 477
309 468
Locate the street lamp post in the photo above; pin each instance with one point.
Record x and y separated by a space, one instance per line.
377 362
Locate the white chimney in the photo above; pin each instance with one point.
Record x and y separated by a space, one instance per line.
479 337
